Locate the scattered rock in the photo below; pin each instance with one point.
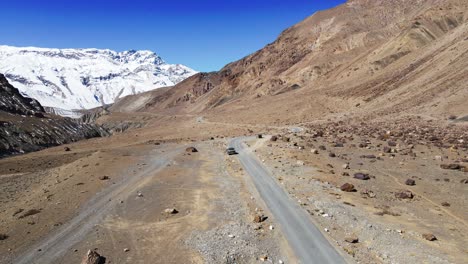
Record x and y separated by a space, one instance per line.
361 176
345 166
171 211
368 193
345 174
331 155
104 178
352 239
410 182
191 149
386 149
347 187
92 257
259 218
404 195
429 237
274 138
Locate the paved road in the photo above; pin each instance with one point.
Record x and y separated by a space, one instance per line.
58 243
308 243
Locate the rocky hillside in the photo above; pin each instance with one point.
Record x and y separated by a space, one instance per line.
67 79
364 58
25 127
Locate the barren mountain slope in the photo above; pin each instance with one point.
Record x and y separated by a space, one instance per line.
390 57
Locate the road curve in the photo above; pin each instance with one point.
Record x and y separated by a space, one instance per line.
307 242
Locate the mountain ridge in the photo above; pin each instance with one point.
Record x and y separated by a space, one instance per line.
86 78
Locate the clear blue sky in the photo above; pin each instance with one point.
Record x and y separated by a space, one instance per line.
203 34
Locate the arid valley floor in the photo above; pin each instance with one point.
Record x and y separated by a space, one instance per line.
57 204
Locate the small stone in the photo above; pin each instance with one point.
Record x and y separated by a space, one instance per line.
352 239
314 151
347 187
191 149
331 155
404 195
445 204
280 261
264 258
326 230
345 166
361 176
271 227
139 194
429 237
103 178
92 257
126 250
66 149
410 182
171 211
259 218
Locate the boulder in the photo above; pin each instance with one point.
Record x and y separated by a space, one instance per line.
347 187
429 237
352 239
92 257
404 195
171 211
361 176
410 182
191 149
259 218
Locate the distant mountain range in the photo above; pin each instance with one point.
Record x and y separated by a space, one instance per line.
69 79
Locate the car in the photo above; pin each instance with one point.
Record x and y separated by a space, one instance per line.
231 151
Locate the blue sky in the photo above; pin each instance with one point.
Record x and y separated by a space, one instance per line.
203 34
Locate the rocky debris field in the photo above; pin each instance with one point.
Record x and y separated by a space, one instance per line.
383 192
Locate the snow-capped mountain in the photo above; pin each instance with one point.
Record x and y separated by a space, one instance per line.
85 78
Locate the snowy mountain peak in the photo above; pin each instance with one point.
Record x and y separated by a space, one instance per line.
86 78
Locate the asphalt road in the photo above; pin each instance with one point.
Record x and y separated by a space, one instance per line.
307 242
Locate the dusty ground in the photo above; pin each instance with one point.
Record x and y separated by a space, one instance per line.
389 229
217 202
214 223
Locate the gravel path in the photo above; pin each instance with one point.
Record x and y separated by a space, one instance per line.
55 245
